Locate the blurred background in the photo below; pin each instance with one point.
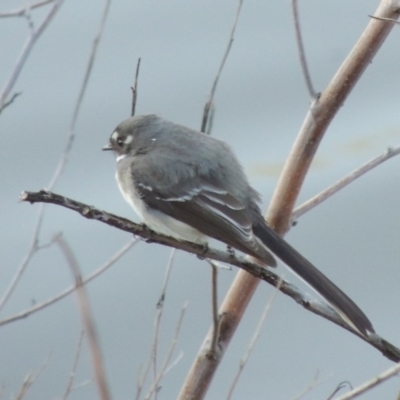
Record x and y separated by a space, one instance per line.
261 102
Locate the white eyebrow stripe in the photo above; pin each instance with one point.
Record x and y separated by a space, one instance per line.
114 135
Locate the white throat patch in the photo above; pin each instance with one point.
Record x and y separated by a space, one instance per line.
121 157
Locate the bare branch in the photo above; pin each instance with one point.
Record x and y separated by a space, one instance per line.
340 184
174 363
313 384
288 188
34 246
157 323
254 339
71 134
87 319
209 106
302 54
159 313
319 118
33 37
310 386
20 12
82 384
134 89
40 306
165 367
9 102
74 366
372 383
30 379
301 297
22 267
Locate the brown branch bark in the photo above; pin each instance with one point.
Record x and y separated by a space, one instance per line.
291 180
87 320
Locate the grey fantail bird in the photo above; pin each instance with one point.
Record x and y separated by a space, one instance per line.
190 186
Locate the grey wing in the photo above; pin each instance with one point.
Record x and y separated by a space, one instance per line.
194 201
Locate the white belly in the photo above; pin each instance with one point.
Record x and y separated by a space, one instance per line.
156 220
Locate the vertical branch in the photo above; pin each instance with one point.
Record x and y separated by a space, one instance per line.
167 363
157 321
87 319
318 119
71 134
209 106
134 89
289 185
74 366
302 53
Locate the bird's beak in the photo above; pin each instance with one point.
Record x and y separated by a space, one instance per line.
107 147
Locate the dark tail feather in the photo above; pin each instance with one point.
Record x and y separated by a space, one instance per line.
313 277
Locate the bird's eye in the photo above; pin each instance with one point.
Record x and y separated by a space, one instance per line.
120 142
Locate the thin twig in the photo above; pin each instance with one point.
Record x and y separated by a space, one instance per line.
40 306
155 386
34 246
209 106
20 12
30 42
71 134
159 313
30 379
371 383
157 322
9 102
134 89
82 384
309 387
174 363
254 339
302 54
3 99
87 319
74 366
313 384
340 184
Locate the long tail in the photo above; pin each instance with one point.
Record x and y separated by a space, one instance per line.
316 279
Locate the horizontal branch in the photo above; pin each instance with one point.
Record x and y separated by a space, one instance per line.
318 307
